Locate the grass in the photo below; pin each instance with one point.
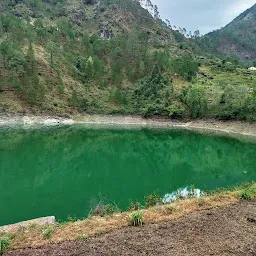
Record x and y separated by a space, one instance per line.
36 235
136 218
4 243
248 194
47 233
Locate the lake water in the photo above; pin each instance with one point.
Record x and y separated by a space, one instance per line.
60 170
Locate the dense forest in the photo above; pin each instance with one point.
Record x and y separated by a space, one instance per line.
113 56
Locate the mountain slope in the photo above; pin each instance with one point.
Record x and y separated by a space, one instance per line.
61 55
111 56
237 38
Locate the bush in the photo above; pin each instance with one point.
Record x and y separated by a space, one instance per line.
185 66
72 219
4 243
152 200
110 209
134 206
196 101
248 194
136 218
154 94
100 209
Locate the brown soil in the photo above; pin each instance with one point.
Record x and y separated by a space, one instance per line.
226 230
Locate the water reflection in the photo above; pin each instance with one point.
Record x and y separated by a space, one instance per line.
182 193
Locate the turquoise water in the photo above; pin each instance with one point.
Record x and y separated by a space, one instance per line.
60 171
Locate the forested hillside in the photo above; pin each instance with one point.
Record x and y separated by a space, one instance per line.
111 56
237 38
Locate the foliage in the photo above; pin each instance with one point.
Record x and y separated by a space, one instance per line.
248 194
237 103
154 94
185 66
134 206
71 219
4 243
136 218
195 99
152 200
101 209
56 50
56 38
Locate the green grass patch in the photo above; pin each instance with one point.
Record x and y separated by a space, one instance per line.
4 243
47 233
136 218
248 194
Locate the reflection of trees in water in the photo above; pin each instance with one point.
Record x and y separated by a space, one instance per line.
160 151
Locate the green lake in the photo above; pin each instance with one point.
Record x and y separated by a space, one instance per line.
60 170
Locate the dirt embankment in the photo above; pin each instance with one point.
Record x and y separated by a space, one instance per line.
226 230
232 128
210 125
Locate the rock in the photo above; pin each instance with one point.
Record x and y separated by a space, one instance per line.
27 120
40 221
252 220
68 121
52 121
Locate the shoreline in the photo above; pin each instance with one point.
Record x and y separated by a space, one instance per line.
233 128
93 226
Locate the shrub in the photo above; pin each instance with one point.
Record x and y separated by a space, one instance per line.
100 209
136 218
47 234
185 66
110 209
134 206
152 200
4 243
196 101
72 219
248 194
154 94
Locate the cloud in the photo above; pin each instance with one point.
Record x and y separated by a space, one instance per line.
205 15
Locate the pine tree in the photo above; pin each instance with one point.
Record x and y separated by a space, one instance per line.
156 13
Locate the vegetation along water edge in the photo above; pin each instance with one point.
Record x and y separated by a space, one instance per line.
108 217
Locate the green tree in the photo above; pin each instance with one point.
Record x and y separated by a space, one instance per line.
154 94
185 66
196 101
60 83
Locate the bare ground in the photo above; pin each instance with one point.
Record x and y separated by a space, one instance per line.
237 129
226 230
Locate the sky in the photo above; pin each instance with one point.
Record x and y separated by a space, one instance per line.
205 15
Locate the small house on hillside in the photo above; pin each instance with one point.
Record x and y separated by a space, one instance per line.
252 68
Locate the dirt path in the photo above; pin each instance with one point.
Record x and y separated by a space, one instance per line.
229 230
